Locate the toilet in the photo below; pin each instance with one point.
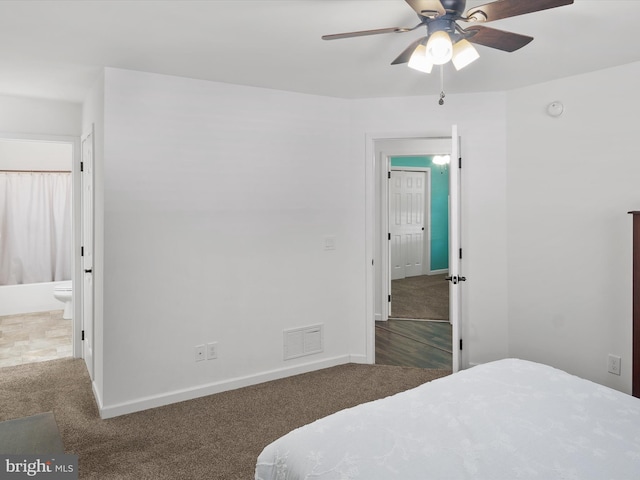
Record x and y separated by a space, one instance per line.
62 292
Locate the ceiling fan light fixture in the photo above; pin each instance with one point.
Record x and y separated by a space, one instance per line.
439 47
463 54
419 60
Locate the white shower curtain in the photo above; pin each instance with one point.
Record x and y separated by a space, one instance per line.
35 227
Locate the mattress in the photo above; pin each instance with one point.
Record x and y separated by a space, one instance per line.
510 419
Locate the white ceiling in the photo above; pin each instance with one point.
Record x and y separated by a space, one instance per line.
55 49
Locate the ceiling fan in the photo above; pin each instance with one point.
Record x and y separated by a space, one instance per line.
446 40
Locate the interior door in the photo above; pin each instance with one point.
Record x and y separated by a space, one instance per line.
455 277
406 222
87 250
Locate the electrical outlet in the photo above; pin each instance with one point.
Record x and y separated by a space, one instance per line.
212 350
614 364
200 352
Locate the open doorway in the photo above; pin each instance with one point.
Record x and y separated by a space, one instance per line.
412 258
418 226
38 212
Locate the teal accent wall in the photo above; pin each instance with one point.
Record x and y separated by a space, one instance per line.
439 248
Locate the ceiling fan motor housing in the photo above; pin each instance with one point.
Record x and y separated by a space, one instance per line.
454 7
444 23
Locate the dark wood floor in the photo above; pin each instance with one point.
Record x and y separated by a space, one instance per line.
411 343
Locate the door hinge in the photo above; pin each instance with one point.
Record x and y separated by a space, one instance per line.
460 344
459 162
82 251
389 236
388 174
82 334
372 262
460 254
82 166
389 298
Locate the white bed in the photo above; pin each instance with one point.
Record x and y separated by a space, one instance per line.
510 419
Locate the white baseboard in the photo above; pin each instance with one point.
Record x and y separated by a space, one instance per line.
437 272
137 405
358 359
97 397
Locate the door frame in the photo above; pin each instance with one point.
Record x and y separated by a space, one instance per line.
76 225
378 148
88 290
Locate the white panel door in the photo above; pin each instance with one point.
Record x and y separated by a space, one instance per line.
407 192
455 278
87 251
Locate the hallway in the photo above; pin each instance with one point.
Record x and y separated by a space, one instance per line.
411 343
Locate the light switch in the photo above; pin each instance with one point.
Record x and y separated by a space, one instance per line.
330 242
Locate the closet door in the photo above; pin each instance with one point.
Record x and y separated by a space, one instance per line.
407 193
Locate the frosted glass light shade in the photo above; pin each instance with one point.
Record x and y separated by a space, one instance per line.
439 47
419 60
463 54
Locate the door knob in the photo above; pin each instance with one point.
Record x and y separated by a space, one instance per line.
455 279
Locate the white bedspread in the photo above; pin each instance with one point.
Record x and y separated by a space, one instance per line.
510 419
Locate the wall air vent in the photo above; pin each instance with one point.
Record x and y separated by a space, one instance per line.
299 342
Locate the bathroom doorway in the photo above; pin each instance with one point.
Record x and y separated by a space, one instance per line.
38 213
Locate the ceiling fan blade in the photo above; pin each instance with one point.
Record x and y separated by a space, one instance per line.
406 54
510 8
494 38
427 8
363 33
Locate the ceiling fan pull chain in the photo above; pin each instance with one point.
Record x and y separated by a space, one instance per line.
441 101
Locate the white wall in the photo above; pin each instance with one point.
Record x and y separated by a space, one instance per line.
217 199
571 181
35 155
482 126
39 117
216 202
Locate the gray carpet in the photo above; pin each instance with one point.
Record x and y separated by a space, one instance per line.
423 297
214 437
